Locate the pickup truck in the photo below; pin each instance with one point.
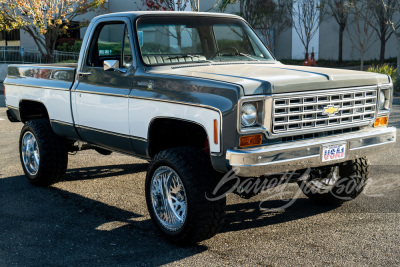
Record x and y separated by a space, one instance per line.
201 97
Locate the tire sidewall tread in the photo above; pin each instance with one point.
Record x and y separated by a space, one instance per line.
204 218
53 153
350 172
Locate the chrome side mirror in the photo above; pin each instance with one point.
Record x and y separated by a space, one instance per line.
111 65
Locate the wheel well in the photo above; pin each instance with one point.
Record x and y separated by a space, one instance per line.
168 133
30 110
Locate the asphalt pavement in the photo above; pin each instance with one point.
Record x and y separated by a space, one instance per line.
98 217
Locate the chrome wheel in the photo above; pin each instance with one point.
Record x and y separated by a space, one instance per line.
168 198
30 153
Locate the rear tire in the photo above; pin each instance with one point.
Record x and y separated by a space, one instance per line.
44 155
180 209
341 183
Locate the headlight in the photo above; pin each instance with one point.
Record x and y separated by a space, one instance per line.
249 115
382 100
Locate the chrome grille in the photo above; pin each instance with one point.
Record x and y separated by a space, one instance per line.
310 112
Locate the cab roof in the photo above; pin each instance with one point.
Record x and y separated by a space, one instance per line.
136 14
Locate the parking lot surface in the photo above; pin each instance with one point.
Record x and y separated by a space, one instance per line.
98 217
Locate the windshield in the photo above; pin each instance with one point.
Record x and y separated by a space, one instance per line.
172 40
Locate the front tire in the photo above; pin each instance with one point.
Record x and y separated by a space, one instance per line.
44 155
177 183
337 184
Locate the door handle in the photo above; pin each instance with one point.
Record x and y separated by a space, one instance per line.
80 73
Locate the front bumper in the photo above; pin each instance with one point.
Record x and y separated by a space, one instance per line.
303 154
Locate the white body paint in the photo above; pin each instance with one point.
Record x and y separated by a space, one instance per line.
143 111
121 115
57 102
102 112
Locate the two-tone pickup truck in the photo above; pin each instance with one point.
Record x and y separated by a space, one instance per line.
201 97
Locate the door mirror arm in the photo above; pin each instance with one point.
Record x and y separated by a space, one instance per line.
120 70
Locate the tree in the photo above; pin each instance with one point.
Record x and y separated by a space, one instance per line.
274 19
393 6
175 5
248 9
339 10
360 32
269 17
380 23
43 20
307 17
166 5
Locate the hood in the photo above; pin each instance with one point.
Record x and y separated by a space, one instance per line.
274 78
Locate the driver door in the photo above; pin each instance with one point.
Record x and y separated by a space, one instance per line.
101 96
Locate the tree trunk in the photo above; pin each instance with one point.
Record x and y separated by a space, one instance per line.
341 32
50 39
362 61
179 37
383 49
49 57
398 60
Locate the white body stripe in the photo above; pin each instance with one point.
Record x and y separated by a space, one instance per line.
57 102
143 111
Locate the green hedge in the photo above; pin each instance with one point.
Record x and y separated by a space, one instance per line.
336 64
389 70
67 47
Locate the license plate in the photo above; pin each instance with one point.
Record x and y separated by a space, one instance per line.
333 152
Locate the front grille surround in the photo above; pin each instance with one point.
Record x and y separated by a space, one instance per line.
301 113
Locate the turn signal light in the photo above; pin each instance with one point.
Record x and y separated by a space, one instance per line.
216 132
382 121
251 140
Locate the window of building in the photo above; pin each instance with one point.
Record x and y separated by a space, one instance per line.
10 38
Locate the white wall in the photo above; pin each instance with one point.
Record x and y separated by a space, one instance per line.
27 41
329 44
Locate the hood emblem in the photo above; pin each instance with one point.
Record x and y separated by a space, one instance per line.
331 110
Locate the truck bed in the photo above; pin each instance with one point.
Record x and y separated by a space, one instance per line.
49 84
54 75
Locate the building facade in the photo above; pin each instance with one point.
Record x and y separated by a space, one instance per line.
325 42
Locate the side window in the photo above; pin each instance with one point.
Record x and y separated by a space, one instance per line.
110 42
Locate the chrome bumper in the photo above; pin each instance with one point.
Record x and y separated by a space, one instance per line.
307 153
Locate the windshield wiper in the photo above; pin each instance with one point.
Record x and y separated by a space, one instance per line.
183 56
191 56
245 55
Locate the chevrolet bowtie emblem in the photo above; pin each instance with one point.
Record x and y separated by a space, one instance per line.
331 110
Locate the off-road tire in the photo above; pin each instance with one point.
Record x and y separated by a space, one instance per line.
353 176
204 218
52 150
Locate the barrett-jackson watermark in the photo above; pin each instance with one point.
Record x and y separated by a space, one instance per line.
280 186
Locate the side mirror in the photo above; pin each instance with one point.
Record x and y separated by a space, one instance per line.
111 65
